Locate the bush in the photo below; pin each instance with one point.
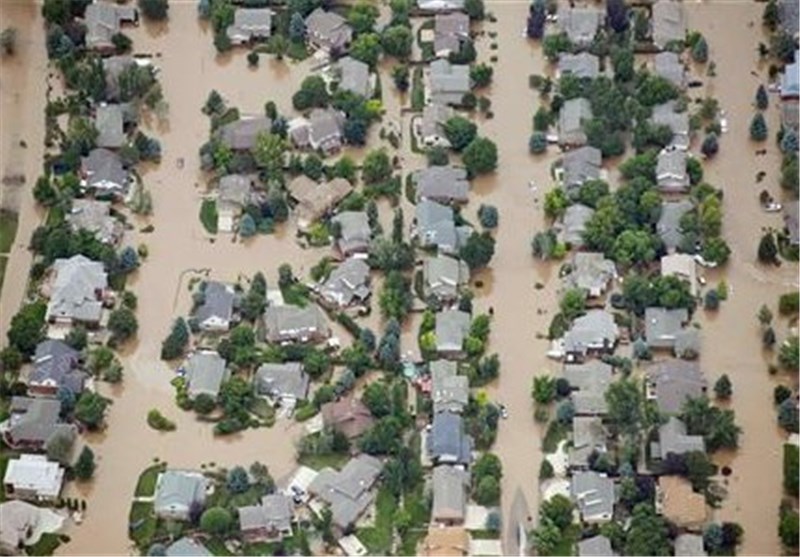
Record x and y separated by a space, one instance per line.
546 470
790 469
216 521
175 344
488 215
710 145
209 216
537 143
789 304
758 128
157 421
252 59
154 9
480 156
85 465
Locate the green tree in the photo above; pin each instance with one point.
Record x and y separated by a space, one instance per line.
768 248
758 128
480 156
647 533
634 247
700 50
546 538
772 16
622 61
544 389
762 99
27 328
175 344
487 491
790 469
474 9
313 93
789 527
378 399
555 203
90 409
376 167
297 27
237 480
573 303
59 446
710 145
537 17
723 388
558 510
460 132
204 404
481 75
396 298
317 363
216 521
488 216
367 48
478 250
625 405
788 354
401 77
269 153
85 465
362 17
396 41
154 9
122 324
537 144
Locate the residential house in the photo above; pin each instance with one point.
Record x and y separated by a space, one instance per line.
790 79
205 373
589 382
449 31
215 312
354 76
103 174
672 382
689 545
789 12
284 383
673 439
680 504
270 520
669 66
671 174
447 442
683 266
355 232
78 292
662 326
328 31
56 365
588 437
452 327
450 485
177 491
571 118
573 224
109 125
448 83
687 344
103 20
443 277
445 542
348 492
250 24
348 415
669 223
440 5
113 67
95 217
791 222
295 324
666 114
596 546
326 130
595 332
316 200
32 422
668 22
790 114
593 495
443 184
233 195
579 166
592 273
449 390
580 24
22 524
347 285
435 226
34 478
431 126
581 65
187 547
241 134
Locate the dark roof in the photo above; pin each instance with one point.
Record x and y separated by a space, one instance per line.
447 442
56 362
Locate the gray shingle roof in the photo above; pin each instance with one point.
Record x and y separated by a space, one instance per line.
349 491
581 65
292 323
287 380
447 441
449 391
671 171
176 490
328 30
591 272
250 23
77 289
666 115
588 436
590 381
326 128
187 547
789 11
581 165
113 66
689 545
669 223
596 330
55 363
242 134
356 233
217 303
672 438
573 114
273 513
35 420
573 224
354 76
436 226
449 494
672 382
669 22
103 20
104 172
594 495
445 184
205 373
669 66
108 121
596 546
580 24
449 30
434 116
452 327
347 284
448 82
94 216
791 221
235 190
443 276
662 325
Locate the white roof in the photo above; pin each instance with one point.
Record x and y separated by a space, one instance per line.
35 473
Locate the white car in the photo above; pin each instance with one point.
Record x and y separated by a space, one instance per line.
703 263
503 412
773 207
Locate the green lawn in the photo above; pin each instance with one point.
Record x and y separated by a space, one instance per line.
142 524
417 90
296 294
318 462
568 540
8 230
146 486
556 432
284 547
217 547
46 545
208 215
378 538
3 263
5 456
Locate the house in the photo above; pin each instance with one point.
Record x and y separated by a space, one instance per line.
789 11
241 134
177 491
588 436
355 232
791 222
233 195
354 76
662 326
445 542
316 200
449 391
447 443
205 373
187 547
450 485
595 332
443 184
435 226
215 312
347 285
103 20
33 477
581 65
348 492
440 5
78 292
666 114
295 324
689 545
672 439
591 272
589 382
596 546
671 173
110 129
678 503
328 31
250 24
284 383
448 83
790 79
22 524
55 366
452 326
579 166
32 422
326 130
95 217
449 31
580 24
683 266
103 174
271 520
593 495
668 22
573 224
431 127
669 223
113 67
672 382
573 114
790 114
669 66
348 415
443 277
687 344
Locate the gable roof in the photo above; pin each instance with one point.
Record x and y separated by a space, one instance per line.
103 20
348 415
580 165
354 76
595 330
669 66
18 524
671 173
234 191
671 382
580 65
588 436
673 439
580 24
447 441
326 126
178 489
94 216
314 199
348 492
55 363
282 380
347 283
35 421
77 289
205 373
571 117
187 547
436 226
573 223
434 116
328 29
669 22
689 545
449 391
679 502
791 221
448 82
113 66
596 546
669 223
590 380
273 513
242 134
452 326
443 276
108 121
217 303
448 31
662 325
295 323
593 494
666 114
250 23
356 233
103 171
449 494
591 272
445 184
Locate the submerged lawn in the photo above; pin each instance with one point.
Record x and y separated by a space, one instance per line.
146 486
142 524
8 230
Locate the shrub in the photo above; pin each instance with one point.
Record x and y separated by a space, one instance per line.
157 421
488 215
85 465
537 143
789 304
790 469
216 521
758 128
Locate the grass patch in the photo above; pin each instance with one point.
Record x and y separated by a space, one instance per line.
416 505
142 524
209 216
378 538
556 432
146 485
264 410
284 547
46 545
569 537
320 461
3 263
298 51
296 294
224 498
484 534
8 230
417 90
217 547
